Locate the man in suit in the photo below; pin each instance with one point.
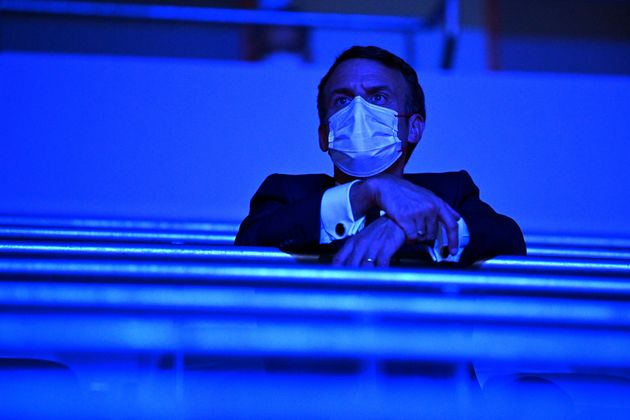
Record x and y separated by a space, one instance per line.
372 116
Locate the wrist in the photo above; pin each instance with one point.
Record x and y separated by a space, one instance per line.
373 186
395 229
361 197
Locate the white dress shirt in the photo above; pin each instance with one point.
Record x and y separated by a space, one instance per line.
337 222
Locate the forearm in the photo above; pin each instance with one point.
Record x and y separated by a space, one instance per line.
491 234
362 197
287 226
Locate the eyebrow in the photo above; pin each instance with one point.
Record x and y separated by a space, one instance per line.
379 88
369 89
342 90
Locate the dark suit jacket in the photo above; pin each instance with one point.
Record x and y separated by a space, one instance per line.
285 213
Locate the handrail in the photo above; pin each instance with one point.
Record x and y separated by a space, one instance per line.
142 251
584 253
42 316
218 15
65 222
191 299
607 242
223 233
112 235
264 274
557 265
620 267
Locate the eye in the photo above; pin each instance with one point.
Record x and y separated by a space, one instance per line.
341 101
377 99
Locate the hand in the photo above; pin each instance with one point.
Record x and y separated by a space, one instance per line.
416 210
373 246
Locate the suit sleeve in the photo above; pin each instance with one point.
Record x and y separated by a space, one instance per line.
279 219
491 233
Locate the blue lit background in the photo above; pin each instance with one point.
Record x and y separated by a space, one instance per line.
146 134
166 118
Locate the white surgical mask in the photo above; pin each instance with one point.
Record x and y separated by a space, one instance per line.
363 138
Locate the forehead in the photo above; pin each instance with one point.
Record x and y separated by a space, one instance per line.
361 73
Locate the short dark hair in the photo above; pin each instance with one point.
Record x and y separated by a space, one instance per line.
415 99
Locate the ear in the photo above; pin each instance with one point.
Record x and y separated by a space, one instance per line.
323 137
416 128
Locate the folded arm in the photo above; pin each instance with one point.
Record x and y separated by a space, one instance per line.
283 217
288 212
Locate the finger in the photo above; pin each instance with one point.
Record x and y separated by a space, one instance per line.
385 255
453 248
421 230
359 253
390 242
342 255
369 259
432 229
409 227
452 230
453 211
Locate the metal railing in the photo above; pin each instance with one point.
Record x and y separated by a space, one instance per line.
409 26
215 15
111 235
263 273
223 253
289 310
114 296
207 233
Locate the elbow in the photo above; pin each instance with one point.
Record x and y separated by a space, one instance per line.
513 241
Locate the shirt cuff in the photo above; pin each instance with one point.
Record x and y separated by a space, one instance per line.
436 251
337 220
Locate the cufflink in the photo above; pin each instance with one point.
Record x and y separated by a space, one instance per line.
340 229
